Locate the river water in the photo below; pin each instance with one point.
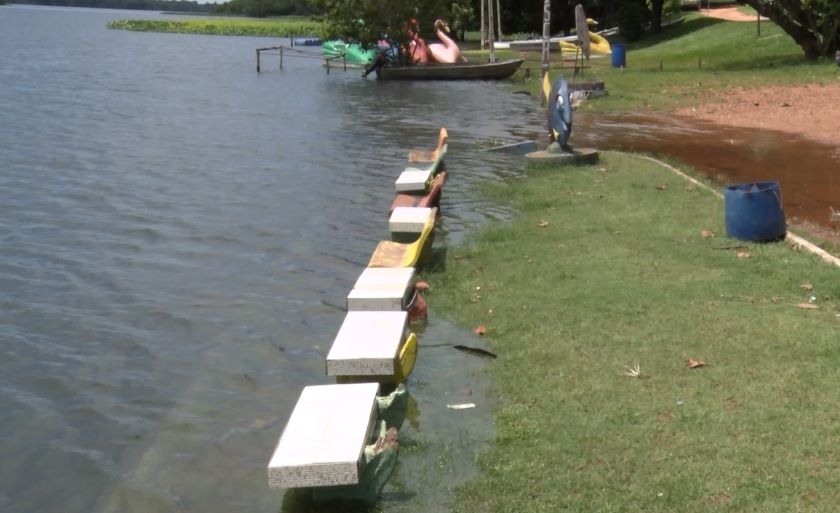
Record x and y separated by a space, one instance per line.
178 235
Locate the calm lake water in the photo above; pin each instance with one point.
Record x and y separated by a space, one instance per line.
178 235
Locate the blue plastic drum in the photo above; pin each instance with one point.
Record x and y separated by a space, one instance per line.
619 56
754 212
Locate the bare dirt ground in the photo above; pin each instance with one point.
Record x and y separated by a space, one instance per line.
812 111
728 13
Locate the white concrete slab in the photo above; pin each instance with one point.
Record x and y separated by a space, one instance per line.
413 180
367 344
324 438
382 288
408 219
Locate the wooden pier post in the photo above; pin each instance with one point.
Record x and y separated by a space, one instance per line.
258 60
281 57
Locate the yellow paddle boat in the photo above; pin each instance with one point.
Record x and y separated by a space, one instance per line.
396 254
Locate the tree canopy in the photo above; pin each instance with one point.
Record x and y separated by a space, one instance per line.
367 21
813 24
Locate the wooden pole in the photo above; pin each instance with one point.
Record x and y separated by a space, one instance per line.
281 57
499 20
546 36
481 43
491 38
258 60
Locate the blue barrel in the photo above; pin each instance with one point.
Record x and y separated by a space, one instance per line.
754 211
619 57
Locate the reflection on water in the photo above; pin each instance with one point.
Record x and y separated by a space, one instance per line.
808 171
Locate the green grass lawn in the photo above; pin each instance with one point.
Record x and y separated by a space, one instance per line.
606 267
691 63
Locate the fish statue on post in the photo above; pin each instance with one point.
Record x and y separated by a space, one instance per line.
559 115
559 100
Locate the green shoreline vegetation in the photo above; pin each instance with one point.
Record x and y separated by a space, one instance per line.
607 267
281 27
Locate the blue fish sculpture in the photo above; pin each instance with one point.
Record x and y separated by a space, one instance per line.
560 113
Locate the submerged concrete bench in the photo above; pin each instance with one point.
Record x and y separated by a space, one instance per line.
382 288
324 439
371 346
430 199
407 223
416 180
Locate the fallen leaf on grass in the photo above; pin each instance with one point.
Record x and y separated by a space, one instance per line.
422 286
742 254
542 224
806 286
694 363
662 187
707 233
481 330
807 306
475 298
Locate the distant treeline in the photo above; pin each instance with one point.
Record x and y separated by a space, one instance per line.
262 8
255 8
149 5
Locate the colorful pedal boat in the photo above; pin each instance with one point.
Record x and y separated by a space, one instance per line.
430 156
430 199
396 254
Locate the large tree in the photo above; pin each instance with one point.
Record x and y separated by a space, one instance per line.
366 21
813 24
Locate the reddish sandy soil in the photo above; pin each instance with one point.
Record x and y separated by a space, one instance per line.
728 13
809 110
812 111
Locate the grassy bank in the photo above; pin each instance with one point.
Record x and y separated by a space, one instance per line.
700 58
276 27
607 267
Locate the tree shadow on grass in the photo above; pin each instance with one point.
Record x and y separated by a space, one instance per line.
765 62
679 30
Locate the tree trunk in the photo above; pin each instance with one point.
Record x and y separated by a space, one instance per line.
796 20
656 16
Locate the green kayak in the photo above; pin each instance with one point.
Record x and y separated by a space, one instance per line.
353 53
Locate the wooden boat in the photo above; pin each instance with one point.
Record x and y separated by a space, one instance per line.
395 254
431 156
458 71
430 199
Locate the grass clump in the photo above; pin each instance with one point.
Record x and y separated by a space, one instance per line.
284 27
606 269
